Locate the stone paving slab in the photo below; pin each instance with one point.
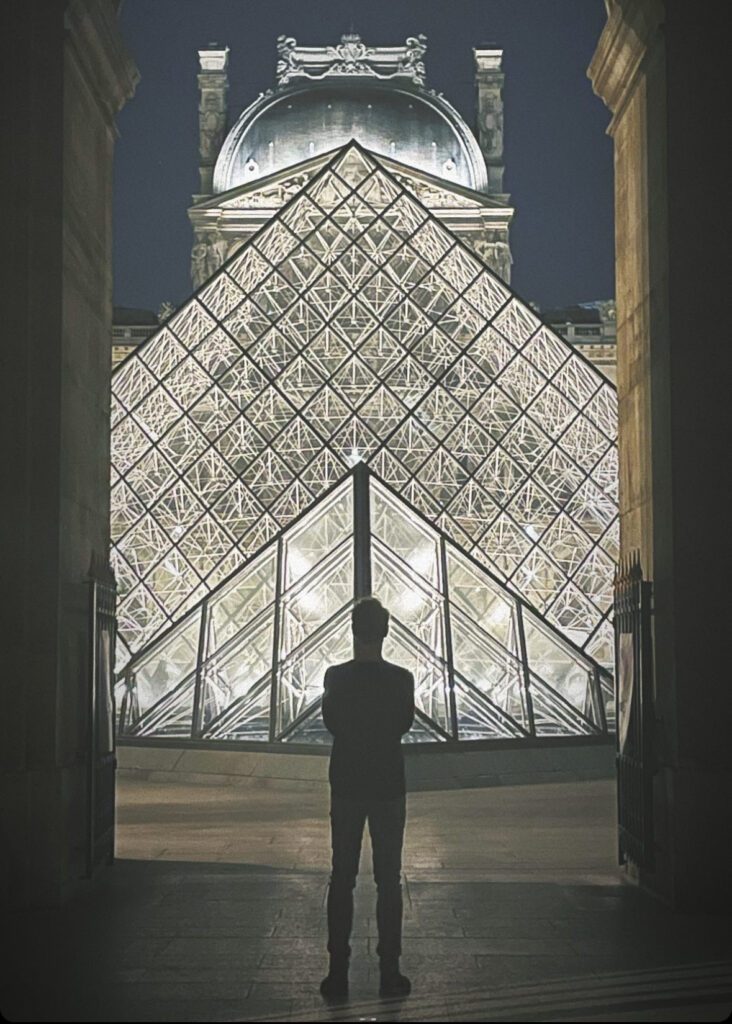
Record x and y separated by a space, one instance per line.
426 769
168 936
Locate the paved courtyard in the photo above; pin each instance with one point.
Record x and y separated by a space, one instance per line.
214 911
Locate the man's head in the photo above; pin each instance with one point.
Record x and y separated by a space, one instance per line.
369 620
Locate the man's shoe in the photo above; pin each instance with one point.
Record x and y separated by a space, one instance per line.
335 985
393 984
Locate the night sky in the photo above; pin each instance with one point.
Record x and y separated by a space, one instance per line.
557 155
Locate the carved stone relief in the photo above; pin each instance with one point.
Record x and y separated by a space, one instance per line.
211 125
496 254
351 57
272 196
207 255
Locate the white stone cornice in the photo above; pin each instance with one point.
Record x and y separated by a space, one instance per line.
95 39
488 62
214 59
624 41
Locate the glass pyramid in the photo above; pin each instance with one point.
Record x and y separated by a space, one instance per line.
355 327
247 663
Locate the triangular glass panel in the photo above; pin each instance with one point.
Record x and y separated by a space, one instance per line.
412 601
560 666
247 594
423 731
489 666
430 674
405 535
171 715
353 166
316 597
318 533
479 719
310 729
301 674
159 675
553 716
247 718
232 673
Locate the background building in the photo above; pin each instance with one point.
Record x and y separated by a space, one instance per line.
323 98
590 327
130 327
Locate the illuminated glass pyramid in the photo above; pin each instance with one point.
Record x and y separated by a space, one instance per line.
247 663
352 327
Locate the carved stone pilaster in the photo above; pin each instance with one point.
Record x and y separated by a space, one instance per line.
489 82
213 84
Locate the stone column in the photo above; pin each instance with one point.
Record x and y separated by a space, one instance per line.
68 73
489 82
213 84
658 67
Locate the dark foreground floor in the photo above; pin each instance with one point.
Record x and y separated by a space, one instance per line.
513 911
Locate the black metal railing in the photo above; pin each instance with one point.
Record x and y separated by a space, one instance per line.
633 698
101 761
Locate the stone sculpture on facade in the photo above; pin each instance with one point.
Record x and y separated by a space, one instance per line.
211 127
207 255
351 57
496 254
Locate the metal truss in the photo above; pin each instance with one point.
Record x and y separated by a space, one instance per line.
247 663
355 327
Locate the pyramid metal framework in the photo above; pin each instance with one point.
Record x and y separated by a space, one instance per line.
355 327
247 663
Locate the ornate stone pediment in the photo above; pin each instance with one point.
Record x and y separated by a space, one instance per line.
351 57
275 190
222 222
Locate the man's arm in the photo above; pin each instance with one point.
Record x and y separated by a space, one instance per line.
406 708
330 704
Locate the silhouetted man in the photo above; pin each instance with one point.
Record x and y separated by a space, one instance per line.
368 705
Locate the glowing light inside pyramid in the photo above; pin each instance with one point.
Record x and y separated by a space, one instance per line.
355 327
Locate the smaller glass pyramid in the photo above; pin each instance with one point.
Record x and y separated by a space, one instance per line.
247 663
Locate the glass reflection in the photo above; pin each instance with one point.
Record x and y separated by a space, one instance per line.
318 533
482 600
248 593
404 534
553 660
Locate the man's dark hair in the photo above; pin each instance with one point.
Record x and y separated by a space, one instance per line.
369 619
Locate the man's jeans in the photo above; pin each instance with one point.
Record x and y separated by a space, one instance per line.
386 820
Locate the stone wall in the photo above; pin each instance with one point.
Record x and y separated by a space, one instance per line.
68 75
659 67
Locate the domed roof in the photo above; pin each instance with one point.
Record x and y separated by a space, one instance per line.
392 118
